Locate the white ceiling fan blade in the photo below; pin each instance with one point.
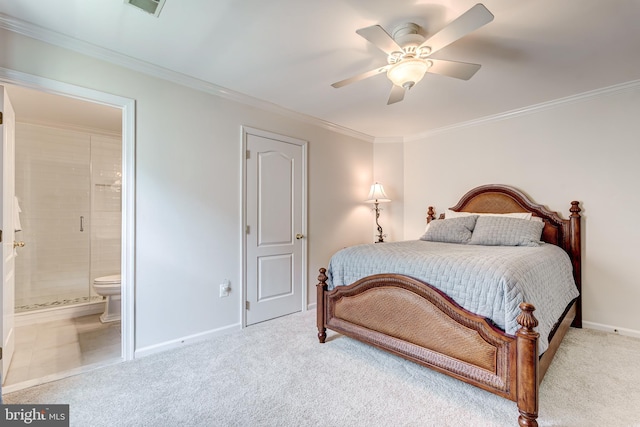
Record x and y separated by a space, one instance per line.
469 21
396 95
459 70
380 38
359 77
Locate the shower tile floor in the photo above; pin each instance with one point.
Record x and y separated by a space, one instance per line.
57 303
49 349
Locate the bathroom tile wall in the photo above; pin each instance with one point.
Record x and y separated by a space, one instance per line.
106 205
56 175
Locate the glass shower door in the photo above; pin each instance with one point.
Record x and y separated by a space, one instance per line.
53 179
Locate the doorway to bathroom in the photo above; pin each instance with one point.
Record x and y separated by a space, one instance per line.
75 218
68 186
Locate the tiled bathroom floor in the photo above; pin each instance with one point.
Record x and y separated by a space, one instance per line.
52 348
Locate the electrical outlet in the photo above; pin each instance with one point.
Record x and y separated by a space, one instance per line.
224 289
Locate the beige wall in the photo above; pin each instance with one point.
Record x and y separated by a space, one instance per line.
188 189
585 149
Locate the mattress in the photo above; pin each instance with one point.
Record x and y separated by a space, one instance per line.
490 281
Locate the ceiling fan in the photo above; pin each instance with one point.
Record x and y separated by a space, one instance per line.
409 54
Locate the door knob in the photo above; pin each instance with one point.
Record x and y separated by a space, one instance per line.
299 236
18 244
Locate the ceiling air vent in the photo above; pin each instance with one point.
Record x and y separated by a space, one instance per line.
150 6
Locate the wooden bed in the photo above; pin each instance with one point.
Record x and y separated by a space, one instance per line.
441 335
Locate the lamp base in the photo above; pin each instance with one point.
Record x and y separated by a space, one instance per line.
379 235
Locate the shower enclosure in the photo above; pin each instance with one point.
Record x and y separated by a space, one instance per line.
68 186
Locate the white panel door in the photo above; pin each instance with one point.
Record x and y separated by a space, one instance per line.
275 241
7 163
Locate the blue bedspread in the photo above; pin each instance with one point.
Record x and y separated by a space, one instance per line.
490 281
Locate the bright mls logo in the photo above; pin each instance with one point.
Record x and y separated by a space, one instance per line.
35 415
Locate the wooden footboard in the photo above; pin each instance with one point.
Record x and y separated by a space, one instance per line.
412 319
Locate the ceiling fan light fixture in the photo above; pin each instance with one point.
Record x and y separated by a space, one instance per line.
408 53
408 72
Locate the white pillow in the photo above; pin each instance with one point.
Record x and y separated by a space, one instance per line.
522 215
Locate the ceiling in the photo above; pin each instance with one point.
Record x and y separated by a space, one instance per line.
289 52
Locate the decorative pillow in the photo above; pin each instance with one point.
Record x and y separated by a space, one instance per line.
456 230
522 215
505 231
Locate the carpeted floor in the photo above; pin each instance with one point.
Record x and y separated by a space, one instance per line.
276 374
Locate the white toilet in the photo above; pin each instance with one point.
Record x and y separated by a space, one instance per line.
109 287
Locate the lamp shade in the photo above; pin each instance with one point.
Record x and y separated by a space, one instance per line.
377 194
407 72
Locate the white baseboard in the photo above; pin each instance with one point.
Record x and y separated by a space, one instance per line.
612 329
173 344
57 313
312 306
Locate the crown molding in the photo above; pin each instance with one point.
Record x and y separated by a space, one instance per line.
51 37
572 99
389 140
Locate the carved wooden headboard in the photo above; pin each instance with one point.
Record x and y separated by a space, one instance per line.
497 198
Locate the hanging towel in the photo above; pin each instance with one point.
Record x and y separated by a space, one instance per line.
16 215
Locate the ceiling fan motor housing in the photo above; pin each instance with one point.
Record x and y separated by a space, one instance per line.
408 37
407 33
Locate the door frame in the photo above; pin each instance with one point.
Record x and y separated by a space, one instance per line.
7 239
246 130
128 108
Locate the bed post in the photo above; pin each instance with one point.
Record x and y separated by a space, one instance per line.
431 214
527 366
321 288
576 254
